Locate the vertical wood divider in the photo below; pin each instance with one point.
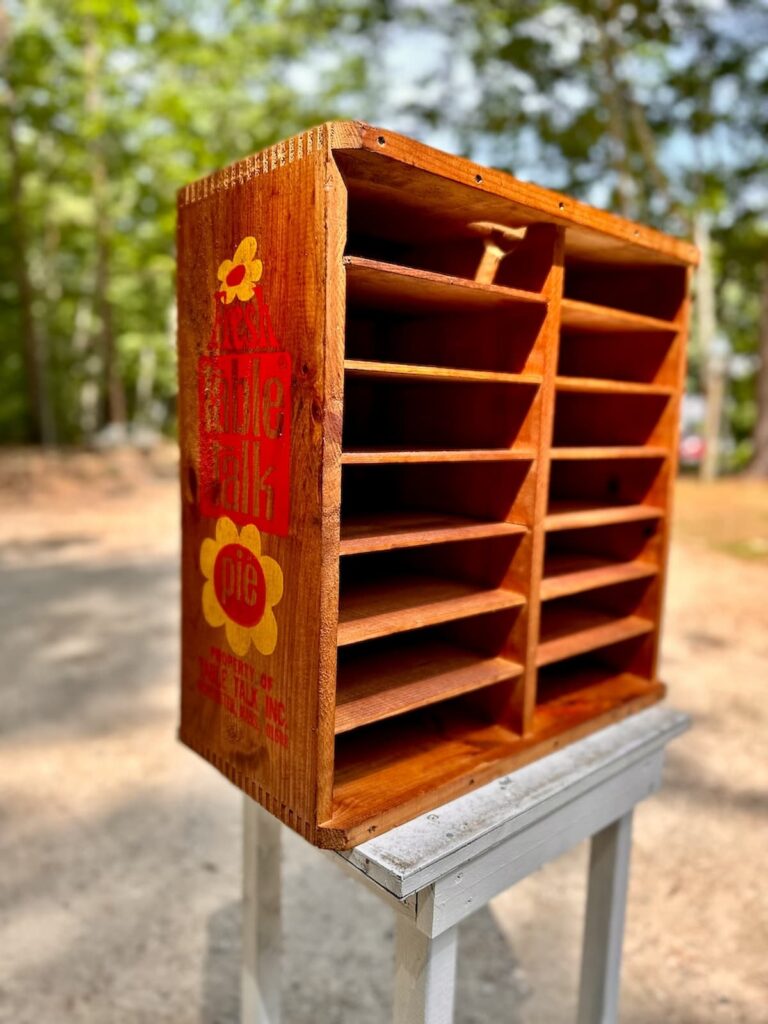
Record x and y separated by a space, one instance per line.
682 321
549 340
335 201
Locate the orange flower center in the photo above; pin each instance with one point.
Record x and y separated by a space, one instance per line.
239 583
236 275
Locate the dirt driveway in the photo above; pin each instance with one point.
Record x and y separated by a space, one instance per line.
119 893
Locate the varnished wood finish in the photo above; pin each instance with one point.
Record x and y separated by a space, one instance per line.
377 456
566 574
586 316
379 608
371 688
385 532
373 283
482 455
406 371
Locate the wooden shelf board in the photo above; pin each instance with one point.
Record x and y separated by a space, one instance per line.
374 456
397 287
405 168
576 629
412 371
566 574
587 316
603 385
381 685
609 451
396 770
573 693
374 609
387 531
567 515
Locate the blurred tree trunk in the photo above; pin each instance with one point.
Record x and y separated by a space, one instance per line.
611 89
759 464
712 369
113 389
41 427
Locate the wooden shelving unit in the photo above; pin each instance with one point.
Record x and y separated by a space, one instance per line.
473 558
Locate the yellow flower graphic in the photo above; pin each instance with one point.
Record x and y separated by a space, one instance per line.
241 273
242 587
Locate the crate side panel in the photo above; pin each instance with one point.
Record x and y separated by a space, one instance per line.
251 321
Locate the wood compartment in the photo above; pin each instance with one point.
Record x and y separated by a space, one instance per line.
397 766
597 618
579 560
388 677
393 505
657 292
391 414
397 591
599 419
494 342
438 236
605 490
609 682
645 358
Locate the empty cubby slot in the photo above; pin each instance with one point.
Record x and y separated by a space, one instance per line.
434 224
459 255
588 685
597 420
653 291
389 506
409 415
490 342
396 591
597 618
586 559
641 358
604 491
383 678
394 762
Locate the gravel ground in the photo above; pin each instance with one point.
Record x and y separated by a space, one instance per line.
120 850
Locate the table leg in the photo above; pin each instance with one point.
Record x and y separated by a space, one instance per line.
425 975
262 930
604 924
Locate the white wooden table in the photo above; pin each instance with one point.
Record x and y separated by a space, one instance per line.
440 868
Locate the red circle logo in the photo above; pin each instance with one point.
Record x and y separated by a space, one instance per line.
236 275
239 583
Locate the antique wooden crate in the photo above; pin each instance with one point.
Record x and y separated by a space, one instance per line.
428 419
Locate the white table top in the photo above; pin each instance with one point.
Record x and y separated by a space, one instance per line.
417 853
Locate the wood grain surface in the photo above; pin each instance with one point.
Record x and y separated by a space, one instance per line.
425 519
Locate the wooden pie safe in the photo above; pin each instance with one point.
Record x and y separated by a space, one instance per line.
429 426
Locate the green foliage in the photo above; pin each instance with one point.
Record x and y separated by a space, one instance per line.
655 109
113 107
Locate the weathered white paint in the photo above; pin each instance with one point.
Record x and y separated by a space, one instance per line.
413 855
425 975
453 897
262 924
443 866
604 923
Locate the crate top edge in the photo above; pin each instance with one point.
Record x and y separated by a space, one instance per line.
587 227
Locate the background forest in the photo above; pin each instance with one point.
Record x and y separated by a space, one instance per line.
657 109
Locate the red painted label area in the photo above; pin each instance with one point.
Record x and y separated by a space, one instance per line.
245 437
235 685
240 327
236 275
238 580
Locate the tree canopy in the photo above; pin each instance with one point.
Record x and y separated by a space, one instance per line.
657 110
